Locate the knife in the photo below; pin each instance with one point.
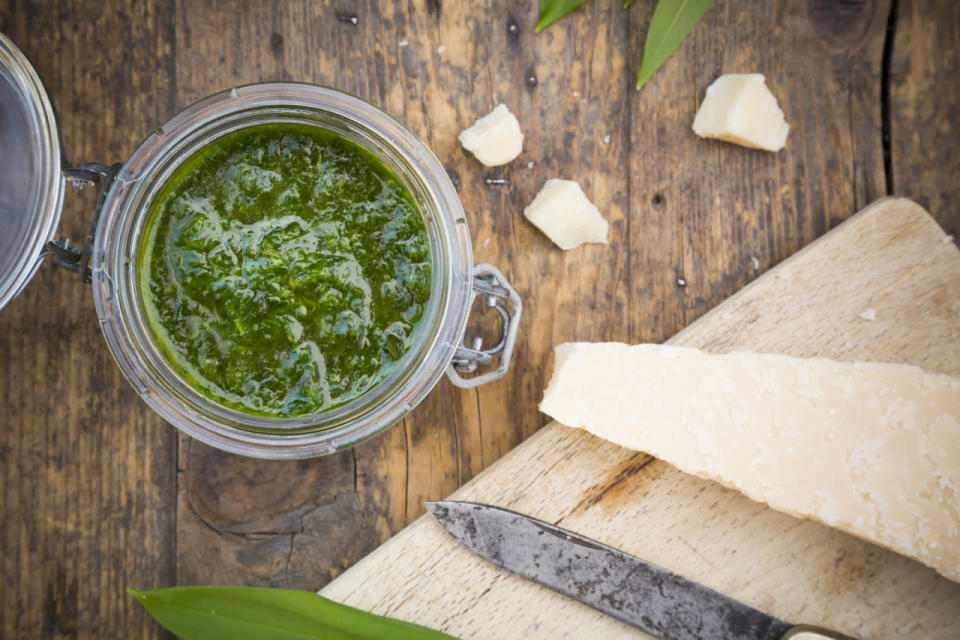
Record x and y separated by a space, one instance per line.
631 590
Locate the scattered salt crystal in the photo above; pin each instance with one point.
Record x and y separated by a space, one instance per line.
486 242
606 139
681 282
530 165
756 263
404 43
868 314
441 49
576 94
947 239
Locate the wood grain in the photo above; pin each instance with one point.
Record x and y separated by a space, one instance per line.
892 258
924 103
87 473
90 474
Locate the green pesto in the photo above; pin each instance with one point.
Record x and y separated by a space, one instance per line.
284 270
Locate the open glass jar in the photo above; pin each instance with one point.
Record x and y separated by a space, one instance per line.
110 261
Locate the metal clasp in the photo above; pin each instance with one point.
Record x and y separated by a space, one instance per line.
77 259
489 283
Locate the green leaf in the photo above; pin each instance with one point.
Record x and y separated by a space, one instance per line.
553 10
249 613
672 21
627 3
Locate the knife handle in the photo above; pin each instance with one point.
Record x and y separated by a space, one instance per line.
810 632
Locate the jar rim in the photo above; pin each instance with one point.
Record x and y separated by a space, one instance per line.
115 271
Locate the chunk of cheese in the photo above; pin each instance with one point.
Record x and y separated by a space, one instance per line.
739 108
872 449
562 211
494 139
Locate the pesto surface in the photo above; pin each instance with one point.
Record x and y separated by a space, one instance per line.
284 269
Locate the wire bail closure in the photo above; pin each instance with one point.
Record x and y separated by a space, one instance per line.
67 255
489 283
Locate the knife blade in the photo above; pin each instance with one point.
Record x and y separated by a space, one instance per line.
639 593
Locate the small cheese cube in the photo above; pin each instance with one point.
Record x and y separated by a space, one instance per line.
739 108
561 210
494 139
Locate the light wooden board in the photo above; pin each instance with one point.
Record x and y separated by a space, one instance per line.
891 257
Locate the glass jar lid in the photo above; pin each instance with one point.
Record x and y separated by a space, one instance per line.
31 192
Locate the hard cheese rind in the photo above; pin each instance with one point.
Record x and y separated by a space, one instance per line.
739 108
562 211
494 139
872 449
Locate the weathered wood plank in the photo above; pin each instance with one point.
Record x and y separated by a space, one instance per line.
87 491
924 107
716 215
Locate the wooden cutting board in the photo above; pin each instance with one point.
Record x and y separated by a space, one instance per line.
891 258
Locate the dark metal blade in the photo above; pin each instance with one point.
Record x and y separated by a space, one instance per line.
636 592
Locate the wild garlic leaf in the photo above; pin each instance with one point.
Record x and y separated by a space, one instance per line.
553 10
627 3
249 613
672 21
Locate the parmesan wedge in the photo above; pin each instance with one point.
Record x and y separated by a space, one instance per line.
739 108
871 449
494 139
562 211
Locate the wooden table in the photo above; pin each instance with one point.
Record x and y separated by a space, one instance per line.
98 494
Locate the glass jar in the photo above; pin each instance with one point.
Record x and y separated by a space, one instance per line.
110 261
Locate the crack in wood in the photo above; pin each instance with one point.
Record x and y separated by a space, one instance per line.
406 472
885 71
596 493
476 393
356 481
252 535
286 570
